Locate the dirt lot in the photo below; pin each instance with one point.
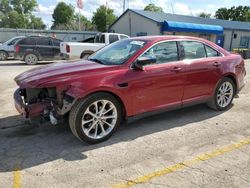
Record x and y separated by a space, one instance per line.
192 147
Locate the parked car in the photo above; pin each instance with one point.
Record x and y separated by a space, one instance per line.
130 78
7 48
37 48
77 50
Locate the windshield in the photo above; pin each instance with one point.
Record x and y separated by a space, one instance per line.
12 41
118 52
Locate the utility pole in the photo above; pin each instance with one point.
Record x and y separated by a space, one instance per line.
124 1
172 7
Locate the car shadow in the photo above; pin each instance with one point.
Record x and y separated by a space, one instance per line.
28 145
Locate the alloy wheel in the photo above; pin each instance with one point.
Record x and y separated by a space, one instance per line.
31 59
99 119
3 56
225 94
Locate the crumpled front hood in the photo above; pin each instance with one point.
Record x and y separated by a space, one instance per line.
58 71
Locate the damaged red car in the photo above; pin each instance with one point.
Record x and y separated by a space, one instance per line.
127 79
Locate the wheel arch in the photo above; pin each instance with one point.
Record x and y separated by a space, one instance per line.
86 52
32 52
230 76
116 96
5 52
233 78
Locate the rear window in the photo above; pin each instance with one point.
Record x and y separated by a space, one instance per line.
211 52
113 38
100 39
28 41
193 50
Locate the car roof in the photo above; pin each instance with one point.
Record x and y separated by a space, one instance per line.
155 38
159 38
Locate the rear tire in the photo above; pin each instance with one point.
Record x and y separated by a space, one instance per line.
31 59
3 55
223 95
95 118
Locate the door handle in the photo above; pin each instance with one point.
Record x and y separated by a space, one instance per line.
216 64
123 85
176 69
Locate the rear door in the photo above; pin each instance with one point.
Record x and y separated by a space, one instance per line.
56 47
159 85
45 47
203 70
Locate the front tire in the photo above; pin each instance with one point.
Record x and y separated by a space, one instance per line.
31 59
223 95
95 118
3 55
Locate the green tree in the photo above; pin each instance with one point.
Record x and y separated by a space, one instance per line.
153 8
62 14
239 13
5 6
85 23
24 6
222 13
20 16
247 16
103 17
204 15
16 20
36 23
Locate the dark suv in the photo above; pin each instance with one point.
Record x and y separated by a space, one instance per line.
37 48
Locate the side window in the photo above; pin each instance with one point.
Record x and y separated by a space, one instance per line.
13 41
193 50
211 52
113 38
28 41
44 41
56 42
164 52
244 41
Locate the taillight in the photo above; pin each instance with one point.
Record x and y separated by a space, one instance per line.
17 48
67 48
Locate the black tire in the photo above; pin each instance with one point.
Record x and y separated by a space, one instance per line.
3 55
31 59
79 109
214 104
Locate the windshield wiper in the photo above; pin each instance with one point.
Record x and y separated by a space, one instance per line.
97 60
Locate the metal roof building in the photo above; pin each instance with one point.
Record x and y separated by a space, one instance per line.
228 34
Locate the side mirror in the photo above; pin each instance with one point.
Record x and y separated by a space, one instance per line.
142 61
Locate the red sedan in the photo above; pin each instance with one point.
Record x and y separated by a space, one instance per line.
130 78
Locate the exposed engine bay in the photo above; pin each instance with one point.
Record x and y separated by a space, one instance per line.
45 104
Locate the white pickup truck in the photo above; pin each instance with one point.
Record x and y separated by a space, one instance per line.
79 50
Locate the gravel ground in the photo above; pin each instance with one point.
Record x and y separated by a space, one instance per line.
50 156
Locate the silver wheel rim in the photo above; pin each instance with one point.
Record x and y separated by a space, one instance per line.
99 119
225 94
31 59
3 56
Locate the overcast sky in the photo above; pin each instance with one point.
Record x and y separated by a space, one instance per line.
187 7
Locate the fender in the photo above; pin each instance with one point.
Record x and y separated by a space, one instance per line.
78 93
31 51
230 75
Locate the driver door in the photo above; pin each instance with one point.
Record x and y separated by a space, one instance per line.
161 84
